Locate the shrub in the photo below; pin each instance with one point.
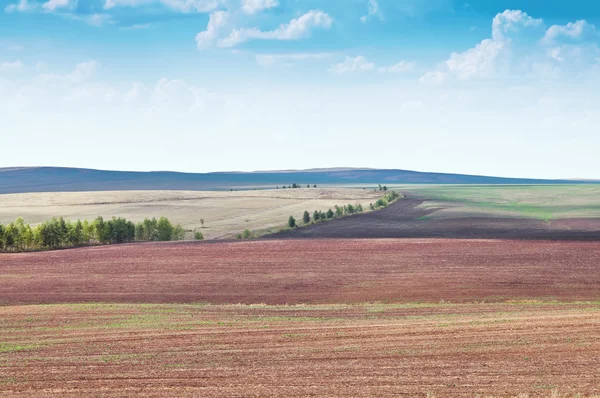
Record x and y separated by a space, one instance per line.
198 235
381 203
306 217
292 222
247 234
329 214
316 216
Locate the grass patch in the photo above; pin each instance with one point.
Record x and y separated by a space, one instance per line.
8 347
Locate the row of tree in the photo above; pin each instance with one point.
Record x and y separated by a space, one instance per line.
341 211
294 185
59 233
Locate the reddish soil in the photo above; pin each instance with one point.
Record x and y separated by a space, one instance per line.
306 271
405 219
486 350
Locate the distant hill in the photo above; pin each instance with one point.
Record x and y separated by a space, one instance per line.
57 179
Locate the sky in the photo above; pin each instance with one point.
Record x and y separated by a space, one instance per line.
490 87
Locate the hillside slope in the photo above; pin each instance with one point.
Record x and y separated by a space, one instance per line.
56 179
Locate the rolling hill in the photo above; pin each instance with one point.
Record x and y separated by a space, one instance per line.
57 179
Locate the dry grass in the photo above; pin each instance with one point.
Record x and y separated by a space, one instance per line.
225 213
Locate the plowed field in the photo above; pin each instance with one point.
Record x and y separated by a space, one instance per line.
416 218
311 271
436 350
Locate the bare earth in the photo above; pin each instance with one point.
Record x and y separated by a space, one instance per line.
416 218
225 213
306 271
443 318
440 350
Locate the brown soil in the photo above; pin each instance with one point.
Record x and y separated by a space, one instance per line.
306 271
469 350
405 219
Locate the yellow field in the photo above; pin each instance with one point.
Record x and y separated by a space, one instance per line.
225 213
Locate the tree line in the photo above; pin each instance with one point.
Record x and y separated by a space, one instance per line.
294 186
341 211
59 233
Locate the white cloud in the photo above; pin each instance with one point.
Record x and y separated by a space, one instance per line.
511 22
352 64
400 67
185 6
53 5
572 30
296 29
21 6
10 66
373 11
269 60
216 22
97 20
83 71
254 6
361 64
482 61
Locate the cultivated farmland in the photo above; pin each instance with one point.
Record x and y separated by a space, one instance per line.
300 271
373 350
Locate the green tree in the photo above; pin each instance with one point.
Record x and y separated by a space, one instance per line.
164 229
349 209
329 213
2 238
247 234
359 208
292 222
306 217
339 212
316 216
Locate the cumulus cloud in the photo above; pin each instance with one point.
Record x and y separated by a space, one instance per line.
53 5
10 66
294 30
400 67
572 30
185 6
254 6
216 22
21 6
269 60
47 6
510 22
81 88
373 11
361 64
352 64
517 46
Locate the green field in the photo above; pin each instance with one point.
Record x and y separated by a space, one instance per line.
541 202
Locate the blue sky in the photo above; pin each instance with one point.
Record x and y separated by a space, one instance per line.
495 87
